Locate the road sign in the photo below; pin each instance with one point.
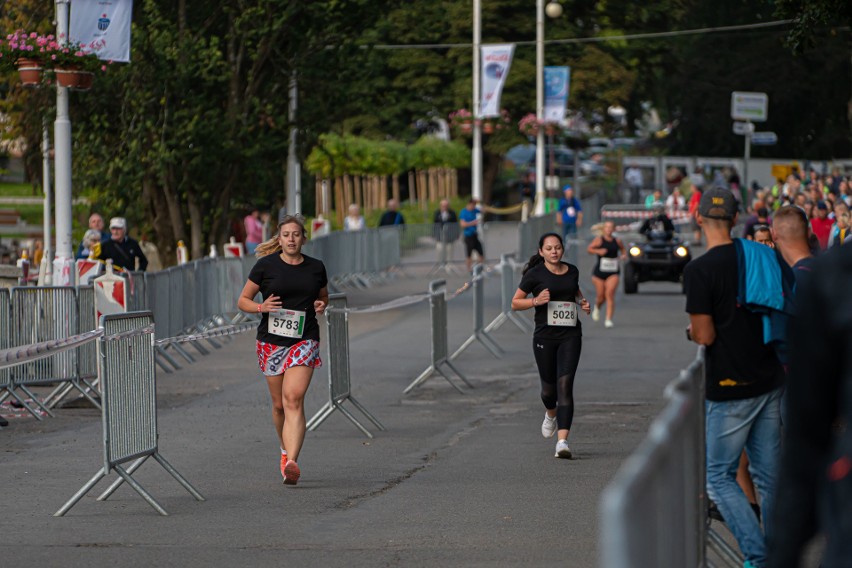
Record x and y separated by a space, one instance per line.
743 128
764 138
749 106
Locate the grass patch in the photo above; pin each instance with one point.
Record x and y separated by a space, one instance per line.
18 190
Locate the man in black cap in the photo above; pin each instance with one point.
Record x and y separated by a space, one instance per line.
121 249
743 379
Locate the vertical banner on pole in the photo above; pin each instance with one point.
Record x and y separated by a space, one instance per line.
557 82
103 26
110 294
496 60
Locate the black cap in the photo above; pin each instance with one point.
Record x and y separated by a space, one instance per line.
717 203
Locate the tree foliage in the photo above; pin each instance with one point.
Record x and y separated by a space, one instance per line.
196 127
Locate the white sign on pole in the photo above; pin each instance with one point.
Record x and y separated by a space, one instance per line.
749 106
496 60
743 128
764 138
103 26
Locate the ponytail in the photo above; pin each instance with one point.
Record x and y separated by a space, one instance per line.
534 261
273 245
537 259
268 247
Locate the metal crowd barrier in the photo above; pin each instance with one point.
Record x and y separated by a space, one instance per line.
339 382
5 341
654 512
440 341
87 362
39 315
508 286
129 413
531 230
479 332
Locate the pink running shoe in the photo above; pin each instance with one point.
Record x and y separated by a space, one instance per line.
291 473
283 463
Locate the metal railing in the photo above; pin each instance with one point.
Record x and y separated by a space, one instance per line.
439 339
508 285
654 512
339 381
129 412
479 333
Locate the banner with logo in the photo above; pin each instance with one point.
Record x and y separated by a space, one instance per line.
496 60
103 26
557 81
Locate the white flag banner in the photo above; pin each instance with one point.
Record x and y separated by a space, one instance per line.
557 81
496 60
103 26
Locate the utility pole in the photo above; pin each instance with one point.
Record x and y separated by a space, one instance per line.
294 171
476 156
62 164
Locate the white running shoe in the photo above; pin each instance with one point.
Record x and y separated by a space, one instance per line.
608 323
548 427
596 314
562 450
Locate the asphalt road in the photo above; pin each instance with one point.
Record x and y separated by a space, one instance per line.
456 480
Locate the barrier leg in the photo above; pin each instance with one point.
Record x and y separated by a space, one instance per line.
364 411
728 554
457 372
140 490
523 324
79 495
34 399
117 483
57 394
486 339
320 416
164 354
354 421
498 321
467 343
178 477
183 352
449 380
423 376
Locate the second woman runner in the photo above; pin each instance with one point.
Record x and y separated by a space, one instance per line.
557 339
608 249
294 290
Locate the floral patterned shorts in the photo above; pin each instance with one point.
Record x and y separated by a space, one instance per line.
275 359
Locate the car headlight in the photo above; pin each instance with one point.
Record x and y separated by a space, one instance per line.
635 251
681 251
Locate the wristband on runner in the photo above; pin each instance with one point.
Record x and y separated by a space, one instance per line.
258 307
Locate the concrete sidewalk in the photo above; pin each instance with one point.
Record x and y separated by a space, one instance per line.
460 480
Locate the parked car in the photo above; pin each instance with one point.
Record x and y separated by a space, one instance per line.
560 158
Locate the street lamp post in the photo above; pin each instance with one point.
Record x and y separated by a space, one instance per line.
62 163
476 155
554 10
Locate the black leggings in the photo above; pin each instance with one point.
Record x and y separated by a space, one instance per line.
557 361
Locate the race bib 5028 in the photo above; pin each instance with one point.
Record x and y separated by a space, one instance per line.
562 314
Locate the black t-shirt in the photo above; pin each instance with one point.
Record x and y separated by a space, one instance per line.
739 364
297 286
562 288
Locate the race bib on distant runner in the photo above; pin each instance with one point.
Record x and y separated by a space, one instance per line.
609 264
287 323
562 313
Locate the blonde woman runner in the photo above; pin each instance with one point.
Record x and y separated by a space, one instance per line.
605 275
294 290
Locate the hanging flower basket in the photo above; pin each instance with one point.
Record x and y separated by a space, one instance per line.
74 79
29 70
487 127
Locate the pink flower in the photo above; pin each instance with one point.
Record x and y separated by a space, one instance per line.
33 35
103 67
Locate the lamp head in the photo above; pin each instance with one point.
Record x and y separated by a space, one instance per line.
553 9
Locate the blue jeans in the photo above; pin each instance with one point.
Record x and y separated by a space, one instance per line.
731 426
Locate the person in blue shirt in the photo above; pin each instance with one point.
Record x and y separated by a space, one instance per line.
469 219
570 213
